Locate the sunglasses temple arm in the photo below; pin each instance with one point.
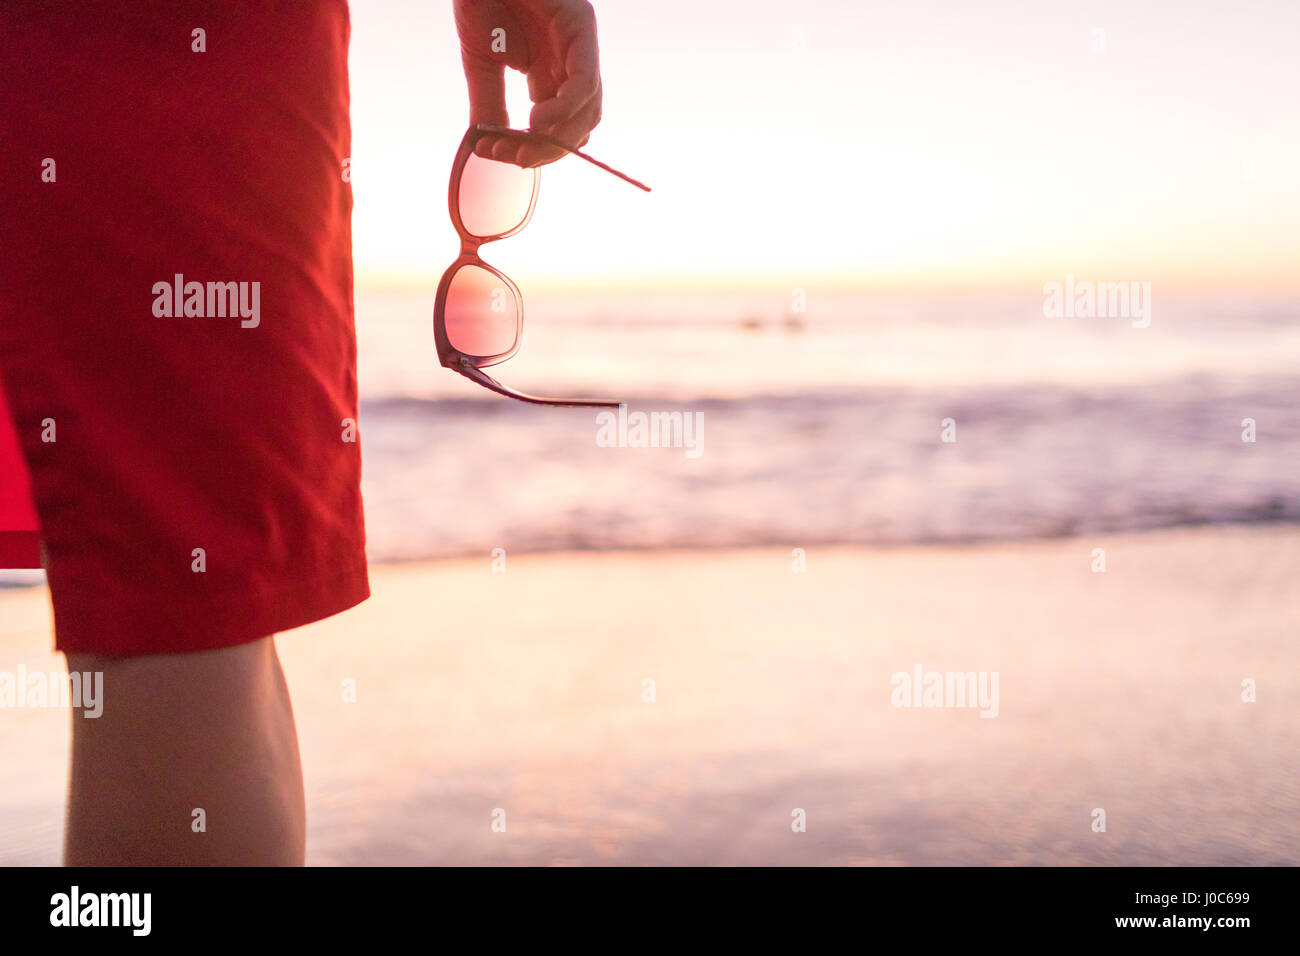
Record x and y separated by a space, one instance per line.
487 381
609 169
560 144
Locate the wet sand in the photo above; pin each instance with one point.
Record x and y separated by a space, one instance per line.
523 692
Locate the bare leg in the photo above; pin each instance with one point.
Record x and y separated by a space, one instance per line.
212 730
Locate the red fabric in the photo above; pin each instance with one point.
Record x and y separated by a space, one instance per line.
19 529
184 432
20 536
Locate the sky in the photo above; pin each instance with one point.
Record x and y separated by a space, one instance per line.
836 143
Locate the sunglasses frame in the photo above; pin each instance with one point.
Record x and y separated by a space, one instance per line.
471 366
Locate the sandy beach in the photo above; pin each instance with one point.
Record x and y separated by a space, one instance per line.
525 692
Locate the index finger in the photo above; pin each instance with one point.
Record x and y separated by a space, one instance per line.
581 73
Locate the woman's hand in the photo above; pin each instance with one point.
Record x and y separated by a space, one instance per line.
553 42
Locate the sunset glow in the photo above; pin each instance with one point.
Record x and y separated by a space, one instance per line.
893 145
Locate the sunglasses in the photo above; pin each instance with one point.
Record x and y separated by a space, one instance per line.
478 316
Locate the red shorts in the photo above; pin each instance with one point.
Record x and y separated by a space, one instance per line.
176 329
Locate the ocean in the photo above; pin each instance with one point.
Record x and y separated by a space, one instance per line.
829 426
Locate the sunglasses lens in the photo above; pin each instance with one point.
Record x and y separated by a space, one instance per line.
494 198
481 315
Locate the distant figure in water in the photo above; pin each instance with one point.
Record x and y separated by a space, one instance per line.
204 489
793 322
